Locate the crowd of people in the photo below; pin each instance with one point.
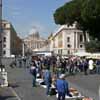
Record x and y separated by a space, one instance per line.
59 83
71 65
53 70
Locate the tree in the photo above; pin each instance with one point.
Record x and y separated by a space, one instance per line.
60 16
91 17
85 12
92 46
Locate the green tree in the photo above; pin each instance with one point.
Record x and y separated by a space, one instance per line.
59 17
92 46
85 12
91 17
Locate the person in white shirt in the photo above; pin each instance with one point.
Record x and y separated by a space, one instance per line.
91 66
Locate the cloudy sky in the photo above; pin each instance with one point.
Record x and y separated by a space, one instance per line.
27 14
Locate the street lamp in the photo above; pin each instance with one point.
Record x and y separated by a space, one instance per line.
23 49
0 31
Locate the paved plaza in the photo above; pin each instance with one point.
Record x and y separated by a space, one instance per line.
20 86
87 85
21 81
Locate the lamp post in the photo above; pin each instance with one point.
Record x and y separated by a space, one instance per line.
23 49
0 31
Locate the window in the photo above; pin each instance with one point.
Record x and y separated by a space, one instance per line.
4 52
81 46
68 52
68 39
81 38
59 51
4 25
4 39
4 45
68 45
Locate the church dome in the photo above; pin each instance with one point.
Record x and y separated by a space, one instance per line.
34 32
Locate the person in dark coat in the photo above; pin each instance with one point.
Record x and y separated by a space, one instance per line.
85 66
34 73
47 80
62 88
98 66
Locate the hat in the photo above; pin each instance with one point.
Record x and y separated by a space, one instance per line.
62 76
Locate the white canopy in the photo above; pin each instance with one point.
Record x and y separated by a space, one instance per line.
94 55
81 54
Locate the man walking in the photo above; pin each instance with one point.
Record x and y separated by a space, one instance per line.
62 87
34 73
47 80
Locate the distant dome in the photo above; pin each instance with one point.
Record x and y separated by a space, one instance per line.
33 31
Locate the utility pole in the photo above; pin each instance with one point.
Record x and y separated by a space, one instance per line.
23 49
0 31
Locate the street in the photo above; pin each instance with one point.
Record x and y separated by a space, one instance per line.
21 82
87 85
57 40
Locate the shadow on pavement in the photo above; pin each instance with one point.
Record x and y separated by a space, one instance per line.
6 97
13 85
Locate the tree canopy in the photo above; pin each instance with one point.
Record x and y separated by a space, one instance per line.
85 12
92 46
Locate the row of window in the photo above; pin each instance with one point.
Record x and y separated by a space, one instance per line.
37 45
4 39
68 51
80 38
69 46
60 52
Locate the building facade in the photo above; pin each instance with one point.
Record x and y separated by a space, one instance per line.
67 40
11 43
34 42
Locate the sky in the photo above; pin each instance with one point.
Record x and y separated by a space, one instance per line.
29 15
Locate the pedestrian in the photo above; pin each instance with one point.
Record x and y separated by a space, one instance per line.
54 63
71 68
85 66
91 66
47 80
62 87
98 66
34 73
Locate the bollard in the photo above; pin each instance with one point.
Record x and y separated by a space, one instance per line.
0 70
3 70
4 82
